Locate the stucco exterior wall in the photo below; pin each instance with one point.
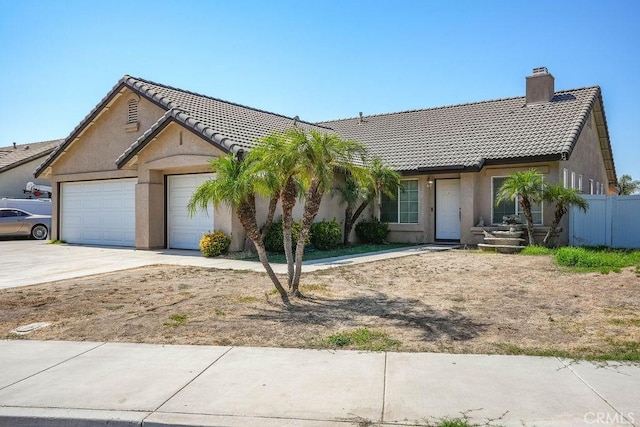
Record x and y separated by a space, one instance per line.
586 160
13 181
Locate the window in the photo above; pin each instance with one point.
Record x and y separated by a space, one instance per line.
573 180
590 186
597 187
404 208
580 183
565 178
510 207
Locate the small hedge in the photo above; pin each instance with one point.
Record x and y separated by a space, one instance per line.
274 240
372 231
214 244
326 235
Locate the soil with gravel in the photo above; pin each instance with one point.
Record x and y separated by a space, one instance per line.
453 301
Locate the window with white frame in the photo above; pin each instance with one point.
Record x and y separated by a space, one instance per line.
565 178
404 208
580 183
510 207
573 180
591 189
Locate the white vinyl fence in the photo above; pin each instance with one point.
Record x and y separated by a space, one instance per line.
610 221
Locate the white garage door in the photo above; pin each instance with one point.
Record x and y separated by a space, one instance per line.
99 212
185 231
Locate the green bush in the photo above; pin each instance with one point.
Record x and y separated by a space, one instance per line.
274 240
326 235
214 244
372 231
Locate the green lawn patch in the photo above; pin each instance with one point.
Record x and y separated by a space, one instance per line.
585 259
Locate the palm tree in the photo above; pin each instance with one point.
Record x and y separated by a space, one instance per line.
319 156
628 186
526 188
378 179
272 157
236 186
563 198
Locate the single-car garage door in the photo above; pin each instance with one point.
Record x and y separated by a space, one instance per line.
185 231
98 212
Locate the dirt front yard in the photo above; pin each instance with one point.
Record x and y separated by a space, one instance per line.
453 301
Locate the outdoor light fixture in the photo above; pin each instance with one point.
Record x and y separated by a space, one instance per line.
430 182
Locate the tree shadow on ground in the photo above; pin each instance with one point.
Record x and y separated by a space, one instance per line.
412 313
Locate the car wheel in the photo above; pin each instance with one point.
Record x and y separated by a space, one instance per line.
39 232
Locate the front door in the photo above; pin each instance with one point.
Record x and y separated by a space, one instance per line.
448 209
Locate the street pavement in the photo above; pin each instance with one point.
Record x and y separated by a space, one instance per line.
53 383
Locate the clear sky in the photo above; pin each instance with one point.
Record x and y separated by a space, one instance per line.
320 59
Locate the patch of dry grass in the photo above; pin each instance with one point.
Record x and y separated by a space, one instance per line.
454 301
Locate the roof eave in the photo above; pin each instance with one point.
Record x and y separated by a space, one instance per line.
97 110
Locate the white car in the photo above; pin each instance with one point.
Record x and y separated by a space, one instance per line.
18 222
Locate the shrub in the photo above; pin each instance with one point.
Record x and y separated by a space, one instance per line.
326 235
372 231
274 240
214 244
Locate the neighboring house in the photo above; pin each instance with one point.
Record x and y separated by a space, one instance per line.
17 163
125 174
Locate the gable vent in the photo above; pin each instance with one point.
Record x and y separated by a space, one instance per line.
132 116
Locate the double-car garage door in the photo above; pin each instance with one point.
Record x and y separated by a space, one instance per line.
103 212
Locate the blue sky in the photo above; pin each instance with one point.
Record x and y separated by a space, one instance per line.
317 59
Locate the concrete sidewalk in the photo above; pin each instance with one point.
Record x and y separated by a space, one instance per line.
50 383
28 262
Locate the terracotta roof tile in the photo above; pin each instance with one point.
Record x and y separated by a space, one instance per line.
469 135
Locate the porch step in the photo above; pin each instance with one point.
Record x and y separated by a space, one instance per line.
503 249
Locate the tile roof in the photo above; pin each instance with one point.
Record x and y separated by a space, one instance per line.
229 125
457 137
23 153
470 135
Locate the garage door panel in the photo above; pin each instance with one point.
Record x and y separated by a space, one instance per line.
185 231
99 212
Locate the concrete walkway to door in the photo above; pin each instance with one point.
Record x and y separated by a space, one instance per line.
29 262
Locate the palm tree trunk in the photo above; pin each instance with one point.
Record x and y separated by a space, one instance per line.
247 217
557 216
348 224
526 207
273 203
354 218
311 208
289 196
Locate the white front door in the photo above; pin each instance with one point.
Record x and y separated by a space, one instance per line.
185 231
98 212
448 209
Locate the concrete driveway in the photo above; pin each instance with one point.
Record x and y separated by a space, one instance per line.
29 262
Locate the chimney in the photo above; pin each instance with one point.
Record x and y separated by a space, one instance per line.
539 86
361 119
15 145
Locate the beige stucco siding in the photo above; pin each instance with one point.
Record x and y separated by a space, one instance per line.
97 148
586 159
13 181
